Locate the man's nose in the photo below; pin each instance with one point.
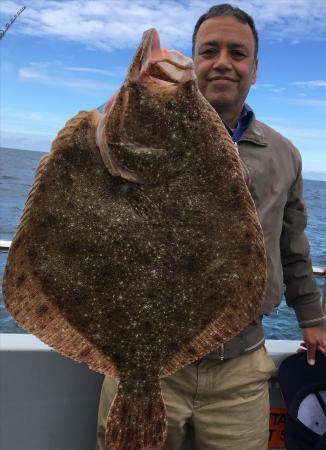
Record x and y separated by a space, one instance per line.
222 61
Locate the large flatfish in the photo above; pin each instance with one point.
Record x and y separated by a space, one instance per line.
139 249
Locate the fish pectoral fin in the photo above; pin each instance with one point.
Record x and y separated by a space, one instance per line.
136 421
138 164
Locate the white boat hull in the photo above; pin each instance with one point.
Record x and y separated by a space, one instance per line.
50 402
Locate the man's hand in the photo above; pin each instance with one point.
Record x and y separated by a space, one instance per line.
314 339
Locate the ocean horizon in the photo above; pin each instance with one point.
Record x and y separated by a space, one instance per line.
307 174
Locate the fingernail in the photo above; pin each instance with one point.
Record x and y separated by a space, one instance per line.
311 362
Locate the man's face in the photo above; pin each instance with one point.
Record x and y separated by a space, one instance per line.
225 64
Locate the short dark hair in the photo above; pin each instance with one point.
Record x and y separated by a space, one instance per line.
226 9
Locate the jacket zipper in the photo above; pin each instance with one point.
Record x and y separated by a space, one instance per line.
244 167
221 352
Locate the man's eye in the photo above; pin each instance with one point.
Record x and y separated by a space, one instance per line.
238 55
209 51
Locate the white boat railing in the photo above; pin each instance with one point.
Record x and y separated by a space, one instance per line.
4 246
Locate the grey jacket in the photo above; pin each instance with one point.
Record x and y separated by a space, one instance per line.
273 175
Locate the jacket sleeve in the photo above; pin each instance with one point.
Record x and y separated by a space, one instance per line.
301 291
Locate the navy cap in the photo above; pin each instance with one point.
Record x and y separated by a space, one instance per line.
304 391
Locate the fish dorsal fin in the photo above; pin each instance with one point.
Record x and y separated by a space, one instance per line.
31 309
24 296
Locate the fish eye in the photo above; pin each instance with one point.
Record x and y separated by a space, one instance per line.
170 104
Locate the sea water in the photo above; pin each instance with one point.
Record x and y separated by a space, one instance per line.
17 168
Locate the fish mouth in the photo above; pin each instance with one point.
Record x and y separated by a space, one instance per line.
155 68
153 64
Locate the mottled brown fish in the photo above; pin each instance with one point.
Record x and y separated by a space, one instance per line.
139 249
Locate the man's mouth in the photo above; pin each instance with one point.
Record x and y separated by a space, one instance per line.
222 79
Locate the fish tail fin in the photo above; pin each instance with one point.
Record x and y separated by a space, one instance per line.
136 422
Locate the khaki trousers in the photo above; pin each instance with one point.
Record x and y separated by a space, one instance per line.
225 403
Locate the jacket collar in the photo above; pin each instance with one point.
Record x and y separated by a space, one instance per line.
254 133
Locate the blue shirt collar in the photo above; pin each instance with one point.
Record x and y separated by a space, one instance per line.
242 123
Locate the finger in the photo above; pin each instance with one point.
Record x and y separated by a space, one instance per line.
311 354
322 349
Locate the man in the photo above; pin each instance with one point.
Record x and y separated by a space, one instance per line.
223 398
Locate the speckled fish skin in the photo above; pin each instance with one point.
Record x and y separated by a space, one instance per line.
139 249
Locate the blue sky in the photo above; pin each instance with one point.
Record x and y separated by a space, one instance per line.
63 56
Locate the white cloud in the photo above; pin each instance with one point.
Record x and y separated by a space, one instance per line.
28 129
26 132
17 116
277 90
268 87
118 71
308 102
315 133
301 101
106 25
55 74
27 139
118 24
308 133
294 20
312 102
310 84
308 139
263 86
